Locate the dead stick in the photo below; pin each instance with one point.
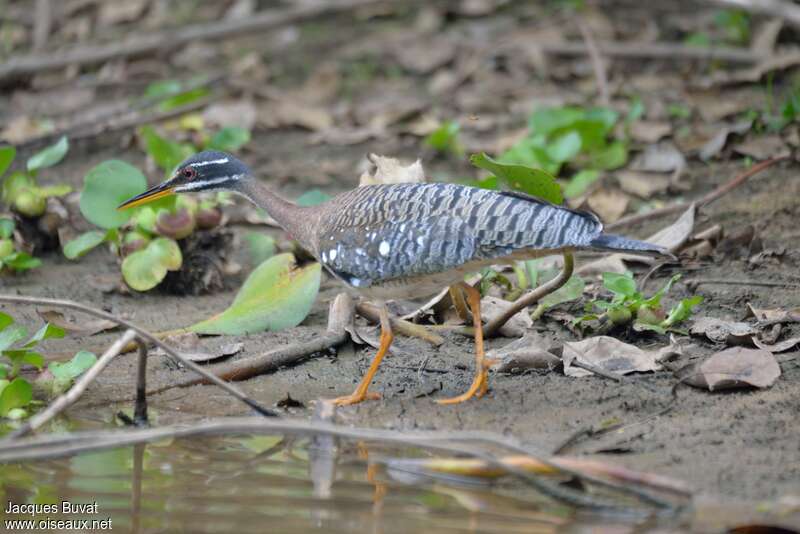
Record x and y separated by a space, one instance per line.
70 397
639 50
710 197
401 326
533 297
598 66
172 39
146 336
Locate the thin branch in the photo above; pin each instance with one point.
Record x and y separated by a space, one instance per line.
172 39
533 297
642 50
70 397
598 65
146 336
710 197
371 313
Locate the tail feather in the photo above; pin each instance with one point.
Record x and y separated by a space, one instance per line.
623 244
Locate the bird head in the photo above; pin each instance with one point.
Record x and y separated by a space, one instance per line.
209 170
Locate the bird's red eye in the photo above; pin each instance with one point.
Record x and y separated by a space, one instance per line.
189 172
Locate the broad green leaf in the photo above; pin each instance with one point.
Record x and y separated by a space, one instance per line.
162 88
22 261
565 147
17 394
6 228
619 284
33 358
545 121
636 110
572 290
184 98
229 139
83 243
53 190
531 152
146 268
14 183
167 154
49 156
106 186
579 183
275 296
72 369
531 181
5 320
312 197
445 138
262 247
11 335
682 311
612 156
48 331
7 155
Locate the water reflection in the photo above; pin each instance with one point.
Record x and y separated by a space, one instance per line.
275 484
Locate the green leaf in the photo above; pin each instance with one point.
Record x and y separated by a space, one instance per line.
106 186
162 88
635 111
11 335
5 320
184 98
262 246
655 300
49 156
58 190
682 311
7 155
229 139
619 284
312 197
6 228
579 183
146 268
545 121
72 369
612 156
572 290
21 261
276 295
531 181
445 138
33 358
565 147
48 331
83 243
14 183
167 154
17 394
531 152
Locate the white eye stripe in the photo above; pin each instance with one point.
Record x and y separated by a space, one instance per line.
221 161
192 186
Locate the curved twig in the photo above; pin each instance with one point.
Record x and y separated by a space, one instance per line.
146 336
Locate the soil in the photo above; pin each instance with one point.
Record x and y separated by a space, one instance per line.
737 445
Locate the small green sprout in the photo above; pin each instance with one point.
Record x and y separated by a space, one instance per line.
11 258
20 189
445 139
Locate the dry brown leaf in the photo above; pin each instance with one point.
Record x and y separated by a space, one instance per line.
660 157
775 315
287 112
87 327
781 346
117 12
736 367
721 331
776 62
386 170
528 352
492 307
650 131
609 204
676 234
609 354
643 184
190 347
241 113
423 56
763 147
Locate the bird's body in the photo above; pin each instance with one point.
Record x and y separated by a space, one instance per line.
409 240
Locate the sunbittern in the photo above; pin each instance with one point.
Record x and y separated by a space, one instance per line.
408 240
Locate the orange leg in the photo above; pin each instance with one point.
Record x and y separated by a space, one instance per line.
481 382
361 394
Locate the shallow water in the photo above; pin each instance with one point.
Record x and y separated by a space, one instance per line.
279 484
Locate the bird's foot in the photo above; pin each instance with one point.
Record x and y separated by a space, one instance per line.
355 398
479 387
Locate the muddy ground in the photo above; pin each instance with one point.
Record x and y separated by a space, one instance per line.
737 445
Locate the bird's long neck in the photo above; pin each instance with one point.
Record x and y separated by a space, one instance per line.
299 221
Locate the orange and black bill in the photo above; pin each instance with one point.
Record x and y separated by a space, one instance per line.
155 192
